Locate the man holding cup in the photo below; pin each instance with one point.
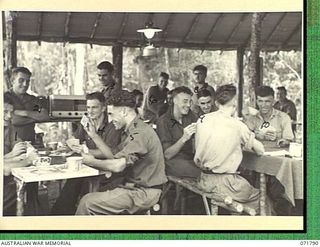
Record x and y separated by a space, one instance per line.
139 153
97 118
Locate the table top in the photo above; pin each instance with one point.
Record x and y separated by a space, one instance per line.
53 172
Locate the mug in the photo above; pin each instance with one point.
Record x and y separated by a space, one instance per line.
295 149
74 163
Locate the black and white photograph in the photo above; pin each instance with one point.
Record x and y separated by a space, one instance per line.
152 114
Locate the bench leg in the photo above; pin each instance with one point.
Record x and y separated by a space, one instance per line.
206 206
214 207
263 194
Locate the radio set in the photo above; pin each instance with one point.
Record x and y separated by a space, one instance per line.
67 106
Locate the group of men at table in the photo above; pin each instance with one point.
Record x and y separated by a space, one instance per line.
197 135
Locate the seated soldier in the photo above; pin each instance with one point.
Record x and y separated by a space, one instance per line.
14 156
273 128
219 152
175 129
96 109
139 153
206 102
269 124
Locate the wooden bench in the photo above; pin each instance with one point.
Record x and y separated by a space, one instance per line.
215 200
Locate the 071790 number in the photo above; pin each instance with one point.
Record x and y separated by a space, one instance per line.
309 242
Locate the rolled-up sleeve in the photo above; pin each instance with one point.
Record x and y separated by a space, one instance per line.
134 150
286 127
247 136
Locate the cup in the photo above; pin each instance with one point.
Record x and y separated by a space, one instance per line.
295 149
74 163
52 145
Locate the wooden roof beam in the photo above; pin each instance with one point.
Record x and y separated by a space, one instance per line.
274 29
234 30
213 28
123 25
40 20
191 28
67 26
166 27
295 30
95 25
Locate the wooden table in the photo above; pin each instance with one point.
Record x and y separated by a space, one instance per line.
31 174
288 171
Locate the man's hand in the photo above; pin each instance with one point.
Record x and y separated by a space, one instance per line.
270 136
90 128
88 159
19 148
76 148
189 131
283 142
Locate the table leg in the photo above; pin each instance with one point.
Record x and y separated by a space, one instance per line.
263 194
94 184
20 196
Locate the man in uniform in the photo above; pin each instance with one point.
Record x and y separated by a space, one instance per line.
176 130
96 110
27 108
139 153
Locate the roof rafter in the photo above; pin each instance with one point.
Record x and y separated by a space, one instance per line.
67 26
295 30
234 30
95 25
213 27
166 27
191 28
123 25
274 29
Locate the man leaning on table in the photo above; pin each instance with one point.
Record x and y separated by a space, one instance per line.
139 153
273 128
96 110
219 152
14 156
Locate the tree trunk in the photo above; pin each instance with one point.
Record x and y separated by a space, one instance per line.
240 54
10 54
254 60
79 76
117 57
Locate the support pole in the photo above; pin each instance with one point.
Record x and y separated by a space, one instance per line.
10 46
254 61
240 54
117 57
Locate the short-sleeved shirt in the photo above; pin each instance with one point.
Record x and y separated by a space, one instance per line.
218 141
288 107
24 102
154 102
170 131
106 131
110 90
195 107
141 148
279 120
